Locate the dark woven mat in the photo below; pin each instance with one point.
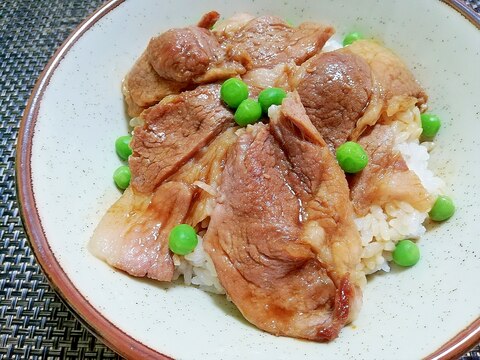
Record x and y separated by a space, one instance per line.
34 323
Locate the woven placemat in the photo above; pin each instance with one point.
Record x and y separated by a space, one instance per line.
34 323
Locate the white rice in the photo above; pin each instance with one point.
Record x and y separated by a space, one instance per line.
379 230
382 228
197 269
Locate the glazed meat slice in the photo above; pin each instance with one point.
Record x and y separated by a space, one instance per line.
335 88
173 131
208 20
190 55
266 41
386 178
133 234
203 172
282 236
143 87
393 83
176 60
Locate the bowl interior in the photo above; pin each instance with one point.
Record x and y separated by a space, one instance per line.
81 114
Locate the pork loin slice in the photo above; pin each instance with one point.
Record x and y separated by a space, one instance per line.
143 87
173 131
335 88
282 236
208 20
202 172
392 82
266 41
386 178
190 55
176 60
133 235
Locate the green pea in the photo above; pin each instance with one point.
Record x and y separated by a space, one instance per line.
350 38
182 239
122 146
271 96
443 209
406 253
233 92
248 112
430 125
351 157
122 177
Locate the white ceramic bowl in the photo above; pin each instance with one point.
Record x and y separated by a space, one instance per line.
66 159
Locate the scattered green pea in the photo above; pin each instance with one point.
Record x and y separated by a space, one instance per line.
248 112
122 177
406 253
430 125
350 38
182 239
233 92
351 157
271 96
122 146
443 209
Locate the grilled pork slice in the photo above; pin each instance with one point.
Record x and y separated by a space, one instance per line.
386 178
176 60
393 84
182 58
266 41
335 88
282 236
133 234
143 87
190 55
173 132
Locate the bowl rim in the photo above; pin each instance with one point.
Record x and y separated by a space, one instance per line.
96 322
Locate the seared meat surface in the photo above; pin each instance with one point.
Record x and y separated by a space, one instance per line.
335 88
392 83
190 55
282 235
387 177
266 41
143 87
173 131
133 235
182 58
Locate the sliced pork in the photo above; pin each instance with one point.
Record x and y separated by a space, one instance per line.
182 58
392 82
387 177
208 20
190 55
133 234
335 88
143 87
173 131
174 61
203 172
266 41
282 236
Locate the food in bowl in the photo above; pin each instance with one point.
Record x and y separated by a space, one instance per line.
265 167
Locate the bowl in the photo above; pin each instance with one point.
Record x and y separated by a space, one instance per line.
65 159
